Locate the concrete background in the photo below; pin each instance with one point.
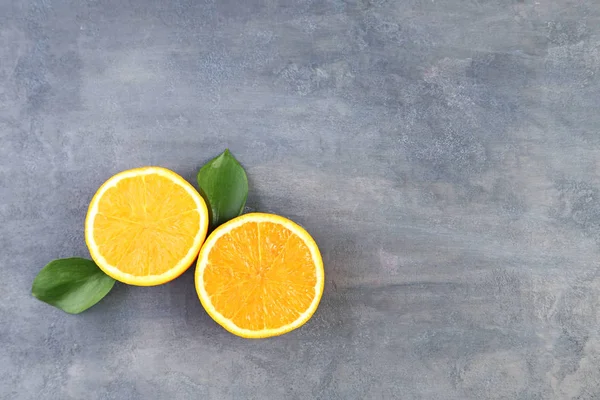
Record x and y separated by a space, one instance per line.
444 154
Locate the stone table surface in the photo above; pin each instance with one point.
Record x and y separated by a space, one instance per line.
445 154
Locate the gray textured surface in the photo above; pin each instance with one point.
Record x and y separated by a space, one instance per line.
444 153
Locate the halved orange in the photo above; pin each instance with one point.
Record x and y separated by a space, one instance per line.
260 275
145 226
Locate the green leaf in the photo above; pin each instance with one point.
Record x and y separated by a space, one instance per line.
71 284
224 185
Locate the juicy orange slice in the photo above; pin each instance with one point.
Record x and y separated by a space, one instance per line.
145 226
260 275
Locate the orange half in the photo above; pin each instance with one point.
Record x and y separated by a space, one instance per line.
260 275
145 226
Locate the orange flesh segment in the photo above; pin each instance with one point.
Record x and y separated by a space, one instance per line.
260 276
145 225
